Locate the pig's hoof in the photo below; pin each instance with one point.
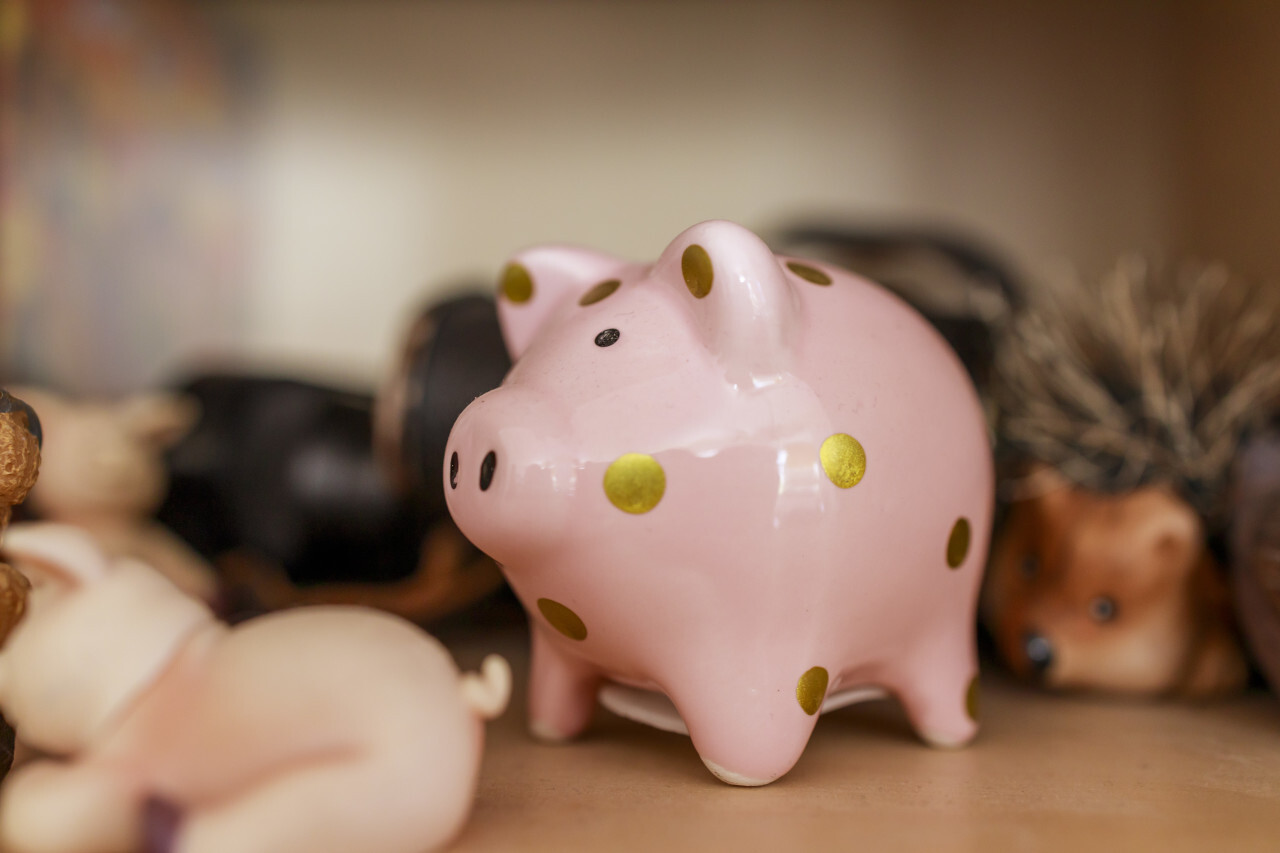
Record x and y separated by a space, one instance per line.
547 733
947 740
731 778
161 820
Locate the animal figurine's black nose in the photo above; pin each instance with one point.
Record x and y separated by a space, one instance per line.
1039 652
486 470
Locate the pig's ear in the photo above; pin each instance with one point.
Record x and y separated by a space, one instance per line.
53 553
742 295
539 280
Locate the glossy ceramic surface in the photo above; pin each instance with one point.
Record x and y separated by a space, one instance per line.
754 484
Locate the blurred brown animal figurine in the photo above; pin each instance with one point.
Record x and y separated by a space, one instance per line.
1255 550
1111 592
104 471
20 434
1122 405
19 466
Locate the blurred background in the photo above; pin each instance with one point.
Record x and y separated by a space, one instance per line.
283 183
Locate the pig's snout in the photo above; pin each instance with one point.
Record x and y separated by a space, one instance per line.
506 486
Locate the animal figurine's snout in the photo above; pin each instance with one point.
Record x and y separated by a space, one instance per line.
497 476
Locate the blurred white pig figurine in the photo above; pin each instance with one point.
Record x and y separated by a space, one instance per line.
323 729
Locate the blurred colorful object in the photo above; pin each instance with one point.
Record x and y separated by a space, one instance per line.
122 204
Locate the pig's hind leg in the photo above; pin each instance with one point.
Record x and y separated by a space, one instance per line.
562 691
368 801
938 689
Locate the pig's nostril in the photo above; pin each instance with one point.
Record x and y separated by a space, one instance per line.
1039 651
453 470
486 470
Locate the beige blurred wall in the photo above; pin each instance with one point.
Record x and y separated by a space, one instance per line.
1228 134
403 146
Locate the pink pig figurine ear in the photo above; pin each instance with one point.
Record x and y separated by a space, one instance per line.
745 306
538 280
57 553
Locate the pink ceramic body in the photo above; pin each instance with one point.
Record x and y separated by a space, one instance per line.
754 567
323 729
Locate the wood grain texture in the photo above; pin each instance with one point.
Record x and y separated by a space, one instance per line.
1046 773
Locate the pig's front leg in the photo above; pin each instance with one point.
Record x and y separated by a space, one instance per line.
750 734
72 808
562 691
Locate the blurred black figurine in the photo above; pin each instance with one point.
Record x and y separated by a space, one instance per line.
280 486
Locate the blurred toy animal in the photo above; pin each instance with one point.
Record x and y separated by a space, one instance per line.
19 466
1255 550
1122 407
20 440
307 494
104 471
1113 592
319 729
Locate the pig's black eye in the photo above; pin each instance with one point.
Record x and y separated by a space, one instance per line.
1102 609
608 338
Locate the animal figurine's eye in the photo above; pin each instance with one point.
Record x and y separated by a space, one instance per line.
1030 566
1102 609
608 338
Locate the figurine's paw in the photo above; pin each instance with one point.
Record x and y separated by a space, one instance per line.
547 733
731 778
161 820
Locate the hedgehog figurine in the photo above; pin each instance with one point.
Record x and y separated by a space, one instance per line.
19 464
1122 409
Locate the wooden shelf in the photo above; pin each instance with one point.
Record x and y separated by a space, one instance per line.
1046 773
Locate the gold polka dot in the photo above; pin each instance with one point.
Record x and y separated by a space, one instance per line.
562 619
600 291
812 689
958 543
698 273
635 482
971 700
808 273
843 459
517 284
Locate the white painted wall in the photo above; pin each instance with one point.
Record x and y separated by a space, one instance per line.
400 147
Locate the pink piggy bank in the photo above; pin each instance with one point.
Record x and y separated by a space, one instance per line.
756 486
